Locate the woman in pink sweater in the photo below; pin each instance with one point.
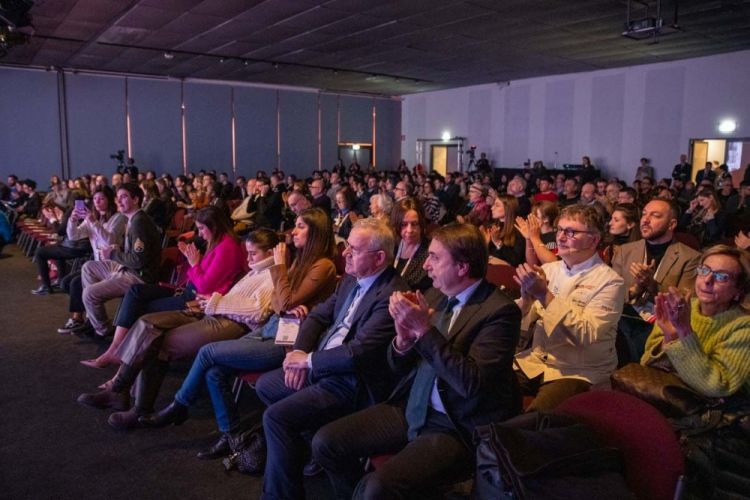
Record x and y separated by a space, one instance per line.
216 270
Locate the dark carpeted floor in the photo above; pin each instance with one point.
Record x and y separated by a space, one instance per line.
52 447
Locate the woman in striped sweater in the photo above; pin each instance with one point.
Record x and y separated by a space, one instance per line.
706 339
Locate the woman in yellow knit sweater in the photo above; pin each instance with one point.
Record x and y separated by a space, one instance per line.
706 337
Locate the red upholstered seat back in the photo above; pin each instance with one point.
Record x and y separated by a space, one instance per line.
653 461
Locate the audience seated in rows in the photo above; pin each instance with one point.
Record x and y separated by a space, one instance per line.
215 270
358 344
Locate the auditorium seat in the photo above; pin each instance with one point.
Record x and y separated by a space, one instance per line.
650 450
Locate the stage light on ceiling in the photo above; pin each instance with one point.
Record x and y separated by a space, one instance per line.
727 126
446 136
168 55
355 147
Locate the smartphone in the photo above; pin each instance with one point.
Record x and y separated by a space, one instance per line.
80 206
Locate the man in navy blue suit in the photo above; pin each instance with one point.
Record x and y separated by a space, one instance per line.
336 365
456 344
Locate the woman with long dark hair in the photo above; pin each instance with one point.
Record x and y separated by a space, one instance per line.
506 244
296 289
103 227
410 227
214 271
623 227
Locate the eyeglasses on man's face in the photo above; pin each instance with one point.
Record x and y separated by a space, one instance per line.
569 232
719 276
355 251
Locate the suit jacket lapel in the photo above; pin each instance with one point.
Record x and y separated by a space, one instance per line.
469 310
669 259
370 296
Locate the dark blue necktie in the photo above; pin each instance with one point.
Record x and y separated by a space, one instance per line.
419 396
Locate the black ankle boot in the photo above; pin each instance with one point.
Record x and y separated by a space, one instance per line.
175 413
220 449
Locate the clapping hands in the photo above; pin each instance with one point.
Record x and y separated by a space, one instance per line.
190 251
673 314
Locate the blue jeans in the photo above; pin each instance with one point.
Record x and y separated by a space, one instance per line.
218 362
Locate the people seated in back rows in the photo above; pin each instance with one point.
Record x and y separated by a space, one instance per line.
571 303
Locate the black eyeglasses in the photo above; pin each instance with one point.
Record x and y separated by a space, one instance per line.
720 276
569 232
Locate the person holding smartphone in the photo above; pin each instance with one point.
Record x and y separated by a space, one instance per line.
68 249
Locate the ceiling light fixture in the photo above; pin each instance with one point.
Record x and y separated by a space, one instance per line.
168 55
446 136
727 126
222 60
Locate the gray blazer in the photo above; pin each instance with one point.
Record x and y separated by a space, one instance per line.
676 269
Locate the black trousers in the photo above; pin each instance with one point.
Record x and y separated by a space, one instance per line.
436 457
58 253
74 287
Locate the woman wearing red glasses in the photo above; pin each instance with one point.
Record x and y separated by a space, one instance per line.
705 338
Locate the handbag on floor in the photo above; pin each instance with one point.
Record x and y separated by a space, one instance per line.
540 456
248 451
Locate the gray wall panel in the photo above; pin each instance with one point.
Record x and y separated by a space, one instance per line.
607 116
30 131
665 94
96 122
208 114
558 121
356 119
255 109
328 129
517 102
388 138
155 125
299 131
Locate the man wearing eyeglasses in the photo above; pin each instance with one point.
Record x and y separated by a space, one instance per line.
574 305
649 266
336 366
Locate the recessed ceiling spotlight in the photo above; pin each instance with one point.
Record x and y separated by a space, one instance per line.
246 62
222 59
168 55
275 65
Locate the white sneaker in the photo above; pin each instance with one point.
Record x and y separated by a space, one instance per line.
69 326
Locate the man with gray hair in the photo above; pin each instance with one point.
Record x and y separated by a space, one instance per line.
336 366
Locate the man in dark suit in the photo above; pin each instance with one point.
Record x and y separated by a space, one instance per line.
682 170
456 344
336 365
706 174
